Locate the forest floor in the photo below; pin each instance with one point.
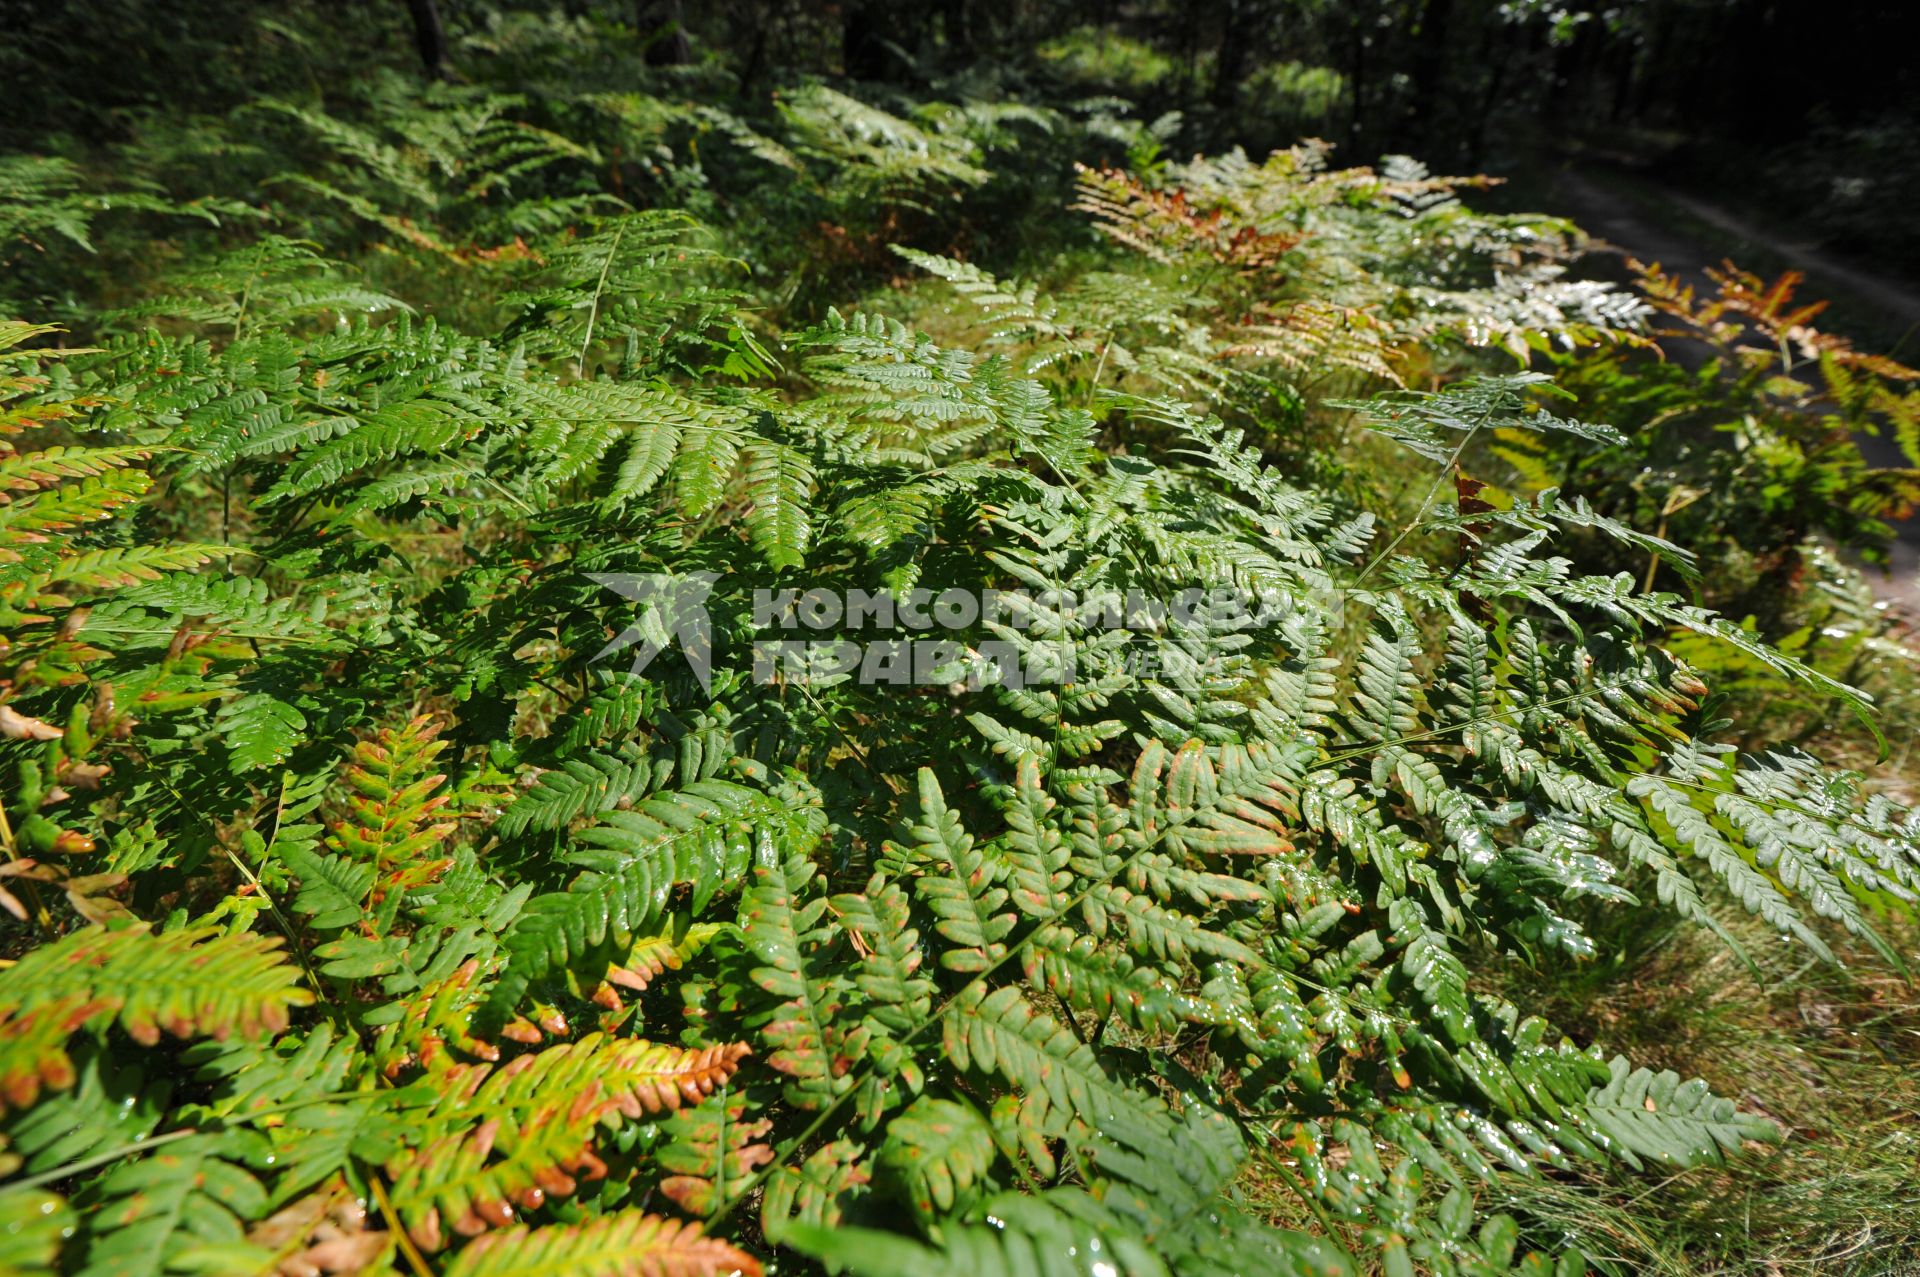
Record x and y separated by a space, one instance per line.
1638 216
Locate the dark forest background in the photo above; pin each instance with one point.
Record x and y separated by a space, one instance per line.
1805 111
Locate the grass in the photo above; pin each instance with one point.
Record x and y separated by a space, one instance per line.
1831 1054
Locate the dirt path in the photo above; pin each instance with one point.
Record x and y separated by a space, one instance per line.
1633 226
1605 209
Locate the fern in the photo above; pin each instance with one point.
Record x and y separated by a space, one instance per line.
313 692
497 1139
713 1148
691 836
36 1223
393 807
630 1244
1641 1114
937 1150
184 983
814 1041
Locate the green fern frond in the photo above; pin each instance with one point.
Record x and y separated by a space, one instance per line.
819 1191
937 1151
961 890
488 1140
583 786
1641 1114
33 1225
811 1027
703 834
625 1244
187 983
192 1194
713 1148
1060 1080
779 484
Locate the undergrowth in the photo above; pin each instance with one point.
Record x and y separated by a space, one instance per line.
1308 868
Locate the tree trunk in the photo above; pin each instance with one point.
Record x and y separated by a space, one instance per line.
429 37
754 65
957 25
1424 123
1230 59
863 40
663 33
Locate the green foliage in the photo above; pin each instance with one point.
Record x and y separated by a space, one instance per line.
46 205
1355 267
1747 455
186 983
629 1244
323 752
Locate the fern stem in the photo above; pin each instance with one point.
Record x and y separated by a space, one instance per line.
593 311
1446 472
415 1260
286 927
155 1141
859 754
503 490
1099 367
246 293
1653 562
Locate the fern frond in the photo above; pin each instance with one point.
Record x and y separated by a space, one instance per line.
490 1139
1753 889
712 1149
1058 1076
1641 1114
815 1038
879 919
194 1193
241 606
395 807
583 786
937 1150
702 834
779 485
819 1191
87 501
961 890
627 1243
1064 1234
33 1225
187 983
260 730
